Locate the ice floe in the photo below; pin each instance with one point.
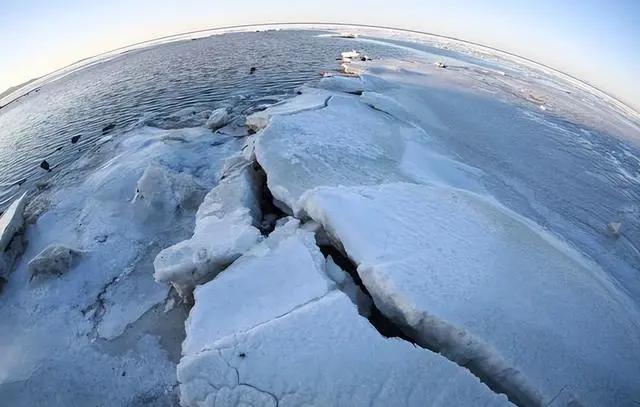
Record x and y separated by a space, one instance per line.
348 143
488 289
294 339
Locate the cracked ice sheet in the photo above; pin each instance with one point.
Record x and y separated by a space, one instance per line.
348 143
48 357
310 99
279 274
472 263
294 340
325 354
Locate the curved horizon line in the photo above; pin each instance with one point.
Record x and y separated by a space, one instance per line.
582 81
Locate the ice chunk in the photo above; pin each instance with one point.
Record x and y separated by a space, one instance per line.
310 99
323 354
224 229
11 221
239 187
55 260
342 84
161 191
488 289
278 275
216 243
218 119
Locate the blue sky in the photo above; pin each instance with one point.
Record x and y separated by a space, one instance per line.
594 40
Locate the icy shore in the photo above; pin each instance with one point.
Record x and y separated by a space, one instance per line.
341 255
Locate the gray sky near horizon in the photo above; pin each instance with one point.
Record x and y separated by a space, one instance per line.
597 41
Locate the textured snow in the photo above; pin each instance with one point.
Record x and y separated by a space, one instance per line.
56 354
11 221
348 143
224 230
474 278
218 119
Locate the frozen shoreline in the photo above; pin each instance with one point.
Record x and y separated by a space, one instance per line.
499 307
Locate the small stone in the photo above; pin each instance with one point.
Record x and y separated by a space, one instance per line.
75 139
252 70
45 165
108 128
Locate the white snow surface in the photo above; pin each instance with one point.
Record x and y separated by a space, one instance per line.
69 339
474 277
295 340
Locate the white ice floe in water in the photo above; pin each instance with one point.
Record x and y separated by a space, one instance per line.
348 143
295 339
71 341
224 230
488 289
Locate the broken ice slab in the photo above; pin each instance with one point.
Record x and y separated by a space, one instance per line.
488 289
309 99
294 339
343 84
324 354
11 225
348 143
11 221
224 230
276 276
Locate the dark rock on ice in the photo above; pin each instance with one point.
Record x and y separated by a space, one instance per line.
75 139
252 70
106 129
45 165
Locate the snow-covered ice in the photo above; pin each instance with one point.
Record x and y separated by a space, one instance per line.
488 289
224 230
11 224
348 143
342 84
53 261
70 342
294 339
218 118
11 221
310 99
276 276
